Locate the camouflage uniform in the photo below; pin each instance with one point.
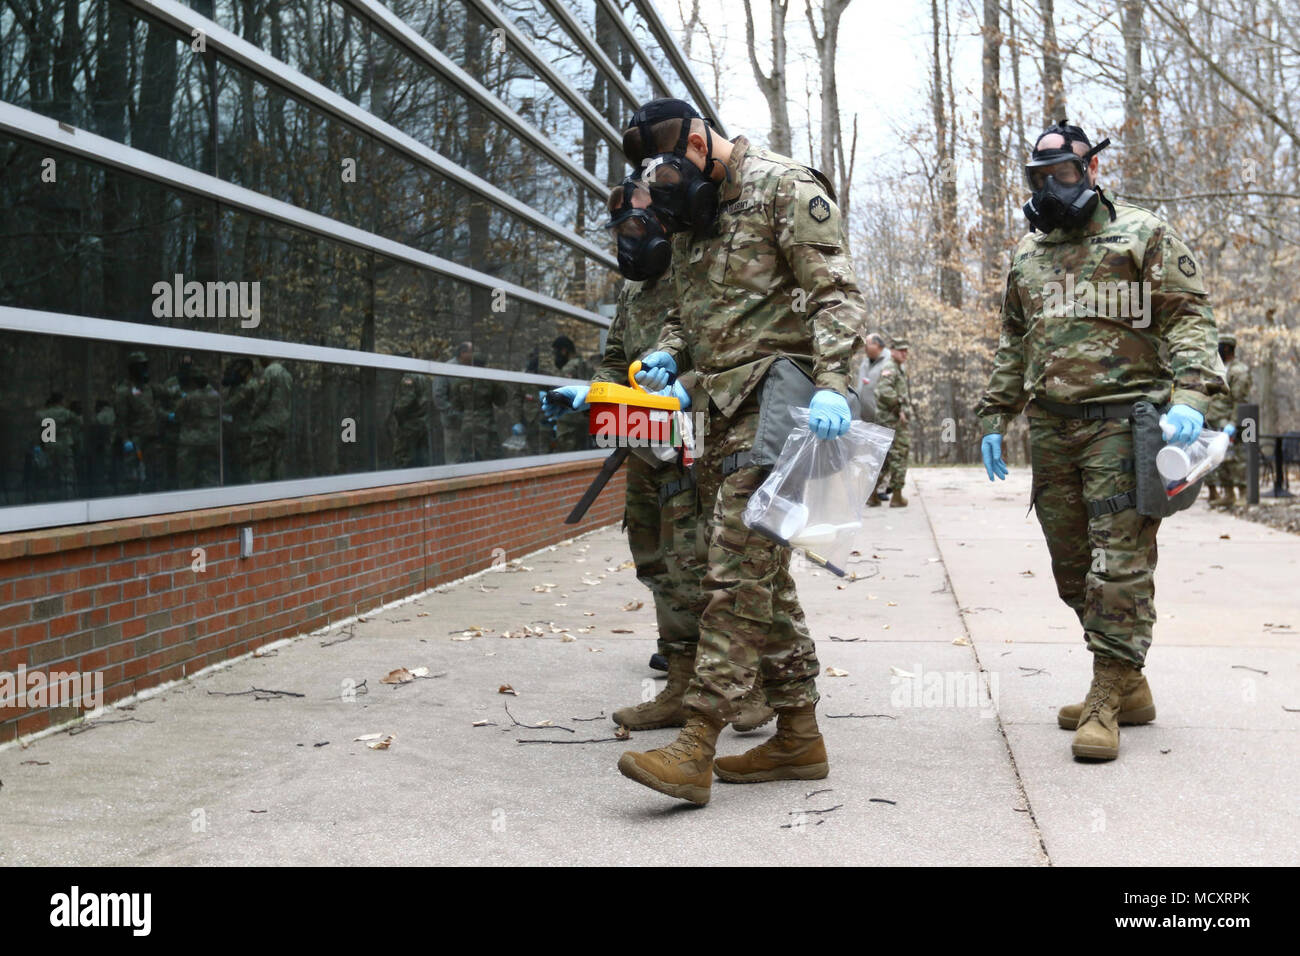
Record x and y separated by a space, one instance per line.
778 243
468 425
1076 354
136 418
571 431
269 427
660 513
1223 412
893 402
198 453
60 453
411 422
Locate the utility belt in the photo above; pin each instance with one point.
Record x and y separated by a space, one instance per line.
785 387
675 487
1148 496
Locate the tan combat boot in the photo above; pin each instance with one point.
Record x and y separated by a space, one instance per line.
1098 735
896 499
795 752
666 709
753 711
1226 500
873 501
683 769
1214 494
1136 705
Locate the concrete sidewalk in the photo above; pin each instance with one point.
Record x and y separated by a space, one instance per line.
924 771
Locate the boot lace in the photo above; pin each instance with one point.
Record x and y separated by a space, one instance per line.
686 743
1102 687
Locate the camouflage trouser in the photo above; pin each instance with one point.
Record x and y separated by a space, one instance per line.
266 458
198 466
662 539
894 471
1104 566
1233 469
752 617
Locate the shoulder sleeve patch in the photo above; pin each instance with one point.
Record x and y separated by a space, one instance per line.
816 217
1182 271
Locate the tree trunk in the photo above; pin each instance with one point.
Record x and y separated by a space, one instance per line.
1053 84
991 155
773 84
1135 165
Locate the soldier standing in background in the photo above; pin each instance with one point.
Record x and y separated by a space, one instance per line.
269 416
198 415
1222 413
571 431
168 424
56 446
762 271
869 375
135 413
237 407
410 416
893 408
1077 374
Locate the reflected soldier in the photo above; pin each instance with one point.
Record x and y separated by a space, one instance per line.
168 424
55 451
135 412
410 418
269 426
571 431
466 406
101 453
198 413
237 413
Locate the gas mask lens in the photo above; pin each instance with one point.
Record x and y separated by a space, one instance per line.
1066 170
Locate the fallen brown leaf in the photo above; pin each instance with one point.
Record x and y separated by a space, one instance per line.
633 605
399 676
507 689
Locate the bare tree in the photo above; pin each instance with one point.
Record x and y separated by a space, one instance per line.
991 153
1053 84
773 83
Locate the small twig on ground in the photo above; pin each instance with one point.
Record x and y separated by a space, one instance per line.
791 826
37 763
1033 671
567 730
1291 710
892 803
845 640
596 740
600 716
812 793
273 694
1243 667
347 637
91 725
827 810
843 716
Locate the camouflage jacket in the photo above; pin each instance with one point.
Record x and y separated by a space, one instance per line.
65 432
893 394
1089 317
772 276
411 403
271 401
199 413
134 412
1223 407
636 326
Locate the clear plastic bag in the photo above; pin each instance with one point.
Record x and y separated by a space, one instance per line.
815 497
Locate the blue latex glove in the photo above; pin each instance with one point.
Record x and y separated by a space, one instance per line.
574 395
128 446
171 416
1229 430
991 451
828 414
517 428
677 391
656 369
1188 421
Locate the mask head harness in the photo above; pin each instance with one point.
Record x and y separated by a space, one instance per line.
644 251
1063 199
685 198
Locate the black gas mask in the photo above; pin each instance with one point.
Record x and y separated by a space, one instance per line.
684 197
1062 199
644 251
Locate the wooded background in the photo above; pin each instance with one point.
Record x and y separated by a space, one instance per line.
1196 95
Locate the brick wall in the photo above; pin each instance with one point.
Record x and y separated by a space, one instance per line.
122 598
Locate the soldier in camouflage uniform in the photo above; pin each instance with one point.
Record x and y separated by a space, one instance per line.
269 423
768 275
240 383
410 417
571 431
1075 359
467 409
56 441
1221 414
135 412
169 396
661 517
893 410
198 415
